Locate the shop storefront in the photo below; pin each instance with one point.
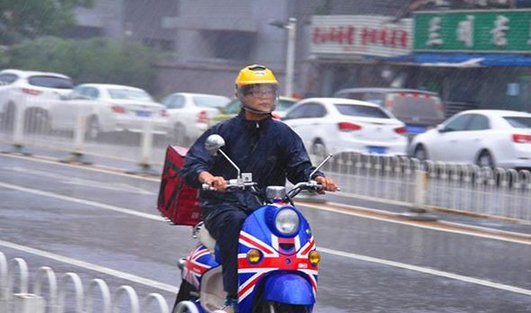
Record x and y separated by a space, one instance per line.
346 51
474 59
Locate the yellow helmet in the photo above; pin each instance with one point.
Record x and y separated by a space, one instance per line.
255 74
256 80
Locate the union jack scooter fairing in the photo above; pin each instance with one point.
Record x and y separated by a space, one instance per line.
277 256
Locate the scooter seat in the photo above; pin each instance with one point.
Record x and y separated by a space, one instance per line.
204 237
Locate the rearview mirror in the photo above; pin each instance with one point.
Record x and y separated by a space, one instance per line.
213 143
441 128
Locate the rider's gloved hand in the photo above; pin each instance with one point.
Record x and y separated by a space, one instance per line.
216 182
327 183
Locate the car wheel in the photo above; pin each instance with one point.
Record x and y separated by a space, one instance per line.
93 130
485 159
420 153
179 134
318 148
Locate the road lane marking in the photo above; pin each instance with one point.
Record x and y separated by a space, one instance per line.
92 267
325 250
444 227
84 202
86 182
92 168
429 271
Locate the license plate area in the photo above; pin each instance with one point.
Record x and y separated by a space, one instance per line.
415 129
376 150
143 113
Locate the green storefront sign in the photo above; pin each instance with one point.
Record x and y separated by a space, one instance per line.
473 31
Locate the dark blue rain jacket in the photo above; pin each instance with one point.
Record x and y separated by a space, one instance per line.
268 149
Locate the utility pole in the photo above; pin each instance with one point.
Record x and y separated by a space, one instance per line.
291 26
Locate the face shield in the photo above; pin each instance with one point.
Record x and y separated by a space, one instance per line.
259 98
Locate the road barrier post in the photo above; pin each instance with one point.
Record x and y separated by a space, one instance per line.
420 187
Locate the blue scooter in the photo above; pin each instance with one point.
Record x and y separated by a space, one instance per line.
277 256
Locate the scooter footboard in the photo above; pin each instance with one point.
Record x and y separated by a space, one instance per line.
288 288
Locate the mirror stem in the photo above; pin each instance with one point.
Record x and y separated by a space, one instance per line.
233 164
320 165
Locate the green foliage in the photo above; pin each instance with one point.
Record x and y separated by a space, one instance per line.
20 19
94 60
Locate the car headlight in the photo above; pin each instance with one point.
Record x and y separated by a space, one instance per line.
287 222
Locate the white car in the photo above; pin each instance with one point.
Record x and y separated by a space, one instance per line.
493 138
30 90
108 108
343 125
190 114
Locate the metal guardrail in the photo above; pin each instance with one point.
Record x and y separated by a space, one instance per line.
16 298
467 188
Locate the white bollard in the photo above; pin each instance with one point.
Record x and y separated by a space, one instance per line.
147 147
417 211
421 186
18 126
28 303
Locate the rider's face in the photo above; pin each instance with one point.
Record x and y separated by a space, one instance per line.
261 98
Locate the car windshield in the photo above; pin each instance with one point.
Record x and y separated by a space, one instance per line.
415 104
284 105
210 101
518 121
360 110
129 94
232 108
51 82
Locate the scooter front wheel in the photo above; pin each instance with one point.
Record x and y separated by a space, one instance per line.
185 307
276 307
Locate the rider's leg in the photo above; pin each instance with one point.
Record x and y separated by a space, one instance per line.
225 226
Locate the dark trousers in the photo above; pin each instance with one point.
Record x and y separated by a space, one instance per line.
224 224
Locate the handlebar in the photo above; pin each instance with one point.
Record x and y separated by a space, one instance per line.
231 184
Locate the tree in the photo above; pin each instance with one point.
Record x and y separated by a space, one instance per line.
88 61
21 19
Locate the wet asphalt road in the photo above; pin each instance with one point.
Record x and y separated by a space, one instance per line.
91 216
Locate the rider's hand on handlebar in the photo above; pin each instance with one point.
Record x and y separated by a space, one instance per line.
218 183
327 183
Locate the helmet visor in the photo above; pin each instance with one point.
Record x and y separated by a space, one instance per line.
260 90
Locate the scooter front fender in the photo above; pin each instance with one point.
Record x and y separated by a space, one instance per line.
288 288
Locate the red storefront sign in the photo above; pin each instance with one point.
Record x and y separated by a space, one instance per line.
367 36
361 35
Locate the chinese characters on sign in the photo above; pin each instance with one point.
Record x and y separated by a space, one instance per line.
368 36
360 35
480 31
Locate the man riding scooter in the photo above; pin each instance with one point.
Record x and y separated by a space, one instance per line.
265 147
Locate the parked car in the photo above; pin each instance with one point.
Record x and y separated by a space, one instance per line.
232 109
343 125
417 108
31 90
190 114
108 108
493 138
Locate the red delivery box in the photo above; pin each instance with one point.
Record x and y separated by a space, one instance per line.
177 201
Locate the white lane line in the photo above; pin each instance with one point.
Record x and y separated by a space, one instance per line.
84 202
326 250
429 271
461 232
93 168
92 267
114 186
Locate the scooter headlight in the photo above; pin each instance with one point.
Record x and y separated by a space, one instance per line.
287 222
